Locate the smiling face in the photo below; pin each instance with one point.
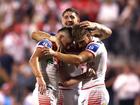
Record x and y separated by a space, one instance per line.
70 18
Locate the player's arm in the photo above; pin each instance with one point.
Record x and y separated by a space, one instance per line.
34 63
40 35
89 53
98 30
84 56
77 79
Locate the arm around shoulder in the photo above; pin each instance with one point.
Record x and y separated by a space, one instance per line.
103 31
40 35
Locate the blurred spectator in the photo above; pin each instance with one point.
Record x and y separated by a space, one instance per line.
7 9
6 61
26 8
63 4
15 43
108 15
88 8
135 30
123 28
127 86
137 102
3 76
22 76
111 74
28 100
51 23
42 9
6 97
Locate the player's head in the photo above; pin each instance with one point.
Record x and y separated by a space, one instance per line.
64 35
70 17
80 35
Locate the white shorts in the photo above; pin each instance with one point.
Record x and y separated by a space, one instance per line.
94 96
48 98
68 97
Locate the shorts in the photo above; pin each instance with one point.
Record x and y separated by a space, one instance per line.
68 96
48 98
94 96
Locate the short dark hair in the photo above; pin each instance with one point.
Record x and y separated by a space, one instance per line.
67 30
79 32
71 10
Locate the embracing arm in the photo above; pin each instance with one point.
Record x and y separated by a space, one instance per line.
77 79
72 58
40 35
101 31
97 29
74 80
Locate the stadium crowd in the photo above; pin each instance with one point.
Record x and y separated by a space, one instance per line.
19 18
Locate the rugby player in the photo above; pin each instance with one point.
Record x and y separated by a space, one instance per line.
45 68
94 55
70 17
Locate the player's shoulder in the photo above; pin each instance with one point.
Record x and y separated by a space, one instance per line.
93 46
45 43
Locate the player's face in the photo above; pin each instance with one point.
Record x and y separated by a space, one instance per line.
81 43
65 39
70 19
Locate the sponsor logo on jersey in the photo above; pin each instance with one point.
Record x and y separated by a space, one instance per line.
45 43
93 47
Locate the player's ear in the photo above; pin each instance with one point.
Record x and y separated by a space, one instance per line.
61 37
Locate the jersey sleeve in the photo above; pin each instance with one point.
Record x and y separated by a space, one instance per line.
45 43
93 48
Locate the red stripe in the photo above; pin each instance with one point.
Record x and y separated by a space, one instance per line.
95 98
44 99
92 86
61 97
65 89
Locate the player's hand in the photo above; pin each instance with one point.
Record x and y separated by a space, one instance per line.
41 85
48 51
90 73
88 25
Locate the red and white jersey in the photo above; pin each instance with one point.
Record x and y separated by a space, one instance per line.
48 66
98 63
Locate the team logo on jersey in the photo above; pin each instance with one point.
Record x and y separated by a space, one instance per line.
93 47
45 43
